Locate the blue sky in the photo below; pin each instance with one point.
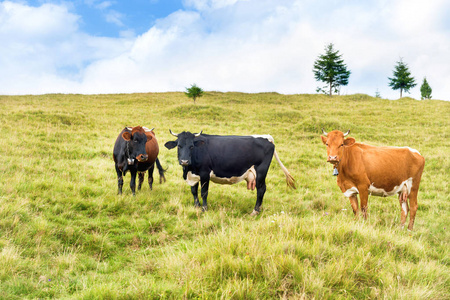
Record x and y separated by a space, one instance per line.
110 18
111 46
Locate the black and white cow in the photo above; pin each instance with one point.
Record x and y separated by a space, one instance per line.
226 160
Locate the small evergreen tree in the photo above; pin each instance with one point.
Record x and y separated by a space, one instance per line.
425 89
330 68
377 94
402 78
194 92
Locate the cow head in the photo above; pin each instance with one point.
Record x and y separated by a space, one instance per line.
185 142
335 142
136 139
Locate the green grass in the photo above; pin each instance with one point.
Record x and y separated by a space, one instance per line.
65 233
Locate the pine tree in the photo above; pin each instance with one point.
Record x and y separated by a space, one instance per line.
377 94
194 92
402 78
425 89
330 68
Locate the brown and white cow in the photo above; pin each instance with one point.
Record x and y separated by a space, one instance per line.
380 171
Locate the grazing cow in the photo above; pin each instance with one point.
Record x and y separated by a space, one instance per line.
379 171
136 150
226 160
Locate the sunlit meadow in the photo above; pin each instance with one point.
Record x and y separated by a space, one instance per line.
65 233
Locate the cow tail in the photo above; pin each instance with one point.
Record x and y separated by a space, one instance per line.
161 171
289 179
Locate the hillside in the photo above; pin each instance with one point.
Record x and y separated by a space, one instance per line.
65 233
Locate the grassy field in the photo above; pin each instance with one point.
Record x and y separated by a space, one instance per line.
65 233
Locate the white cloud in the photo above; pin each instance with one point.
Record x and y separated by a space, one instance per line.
103 5
114 17
110 15
42 49
231 45
21 22
209 4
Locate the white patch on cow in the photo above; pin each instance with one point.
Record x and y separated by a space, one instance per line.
405 207
192 179
348 193
410 149
249 175
396 190
145 129
413 150
264 136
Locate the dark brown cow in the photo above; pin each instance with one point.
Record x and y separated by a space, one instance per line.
379 171
136 150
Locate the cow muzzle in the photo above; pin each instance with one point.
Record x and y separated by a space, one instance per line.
332 159
142 157
184 163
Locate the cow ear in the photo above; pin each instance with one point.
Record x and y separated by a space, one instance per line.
324 139
199 143
126 136
349 141
171 145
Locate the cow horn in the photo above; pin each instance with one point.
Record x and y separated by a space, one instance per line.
345 134
324 132
175 134
198 134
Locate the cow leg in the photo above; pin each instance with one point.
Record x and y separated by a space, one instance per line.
161 171
261 173
119 180
354 203
260 191
364 197
150 176
194 191
413 207
141 180
204 193
133 181
403 200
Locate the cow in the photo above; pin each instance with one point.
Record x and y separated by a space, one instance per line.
136 150
380 171
226 160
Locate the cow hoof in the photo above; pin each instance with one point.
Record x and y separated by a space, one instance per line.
254 213
204 208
